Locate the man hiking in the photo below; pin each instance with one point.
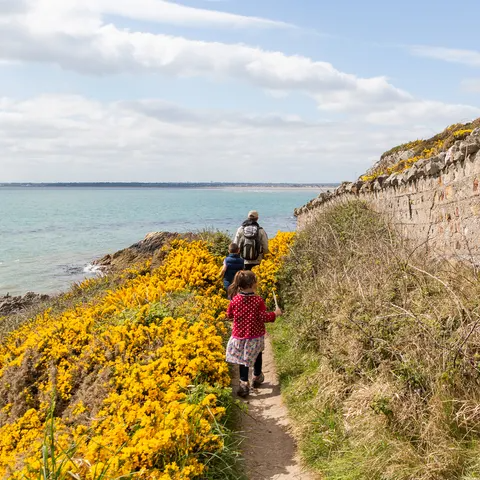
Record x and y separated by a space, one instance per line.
252 240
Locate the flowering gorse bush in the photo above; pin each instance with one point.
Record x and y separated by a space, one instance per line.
422 149
403 165
136 377
267 271
462 133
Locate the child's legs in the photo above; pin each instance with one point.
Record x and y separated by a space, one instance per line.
243 373
257 368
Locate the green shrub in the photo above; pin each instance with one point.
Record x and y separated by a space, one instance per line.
218 241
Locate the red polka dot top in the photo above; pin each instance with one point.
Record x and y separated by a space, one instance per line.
249 314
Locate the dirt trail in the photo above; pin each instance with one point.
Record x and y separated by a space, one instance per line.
268 448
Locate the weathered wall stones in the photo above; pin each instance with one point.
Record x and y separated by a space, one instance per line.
435 203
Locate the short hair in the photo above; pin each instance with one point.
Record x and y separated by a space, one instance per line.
233 248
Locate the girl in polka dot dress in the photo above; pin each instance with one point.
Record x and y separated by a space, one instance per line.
249 314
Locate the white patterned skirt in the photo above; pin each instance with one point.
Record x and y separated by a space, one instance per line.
244 351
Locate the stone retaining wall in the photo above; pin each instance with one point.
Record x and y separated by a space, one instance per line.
436 203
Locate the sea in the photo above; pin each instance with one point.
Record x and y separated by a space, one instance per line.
49 236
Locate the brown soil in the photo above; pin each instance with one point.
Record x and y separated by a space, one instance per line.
268 448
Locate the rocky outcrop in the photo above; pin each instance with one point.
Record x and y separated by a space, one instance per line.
10 305
459 152
388 160
435 203
150 248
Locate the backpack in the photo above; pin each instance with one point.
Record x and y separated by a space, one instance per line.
250 244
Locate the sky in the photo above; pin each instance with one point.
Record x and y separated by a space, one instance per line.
227 90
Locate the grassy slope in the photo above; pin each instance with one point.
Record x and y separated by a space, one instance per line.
378 354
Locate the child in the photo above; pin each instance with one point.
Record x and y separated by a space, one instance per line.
249 314
231 265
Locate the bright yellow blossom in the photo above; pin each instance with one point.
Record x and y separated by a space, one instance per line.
122 371
267 271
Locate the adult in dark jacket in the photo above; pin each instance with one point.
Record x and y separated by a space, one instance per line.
252 240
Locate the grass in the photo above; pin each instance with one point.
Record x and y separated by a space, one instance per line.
452 133
378 353
228 464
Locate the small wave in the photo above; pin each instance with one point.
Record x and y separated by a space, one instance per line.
92 269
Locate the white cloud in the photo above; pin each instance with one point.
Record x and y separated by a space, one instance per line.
453 55
71 138
80 42
12 6
46 15
73 35
77 40
176 14
424 112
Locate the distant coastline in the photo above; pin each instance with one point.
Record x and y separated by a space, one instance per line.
171 185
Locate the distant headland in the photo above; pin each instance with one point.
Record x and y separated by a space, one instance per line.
172 185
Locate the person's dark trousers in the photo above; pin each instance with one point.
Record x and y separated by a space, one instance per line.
257 369
226 284
249 266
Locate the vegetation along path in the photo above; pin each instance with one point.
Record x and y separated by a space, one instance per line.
268 448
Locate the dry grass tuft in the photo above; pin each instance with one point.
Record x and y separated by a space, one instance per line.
379 353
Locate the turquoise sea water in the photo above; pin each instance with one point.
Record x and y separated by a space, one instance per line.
48 236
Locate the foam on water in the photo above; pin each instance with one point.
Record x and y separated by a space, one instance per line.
92 269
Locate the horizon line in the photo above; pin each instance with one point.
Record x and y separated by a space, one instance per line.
171 183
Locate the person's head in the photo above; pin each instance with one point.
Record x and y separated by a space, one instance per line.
253 215
244 280
233 248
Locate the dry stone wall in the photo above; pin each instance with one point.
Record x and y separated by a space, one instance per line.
435 203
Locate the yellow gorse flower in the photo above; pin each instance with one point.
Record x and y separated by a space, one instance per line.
267 271
126 376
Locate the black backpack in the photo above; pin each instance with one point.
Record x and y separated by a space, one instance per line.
250 243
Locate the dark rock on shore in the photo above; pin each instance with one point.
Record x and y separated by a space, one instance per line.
148 248
10 305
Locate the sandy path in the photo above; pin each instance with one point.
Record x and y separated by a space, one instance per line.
268 449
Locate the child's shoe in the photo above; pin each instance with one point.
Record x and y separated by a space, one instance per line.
257 381
243 389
